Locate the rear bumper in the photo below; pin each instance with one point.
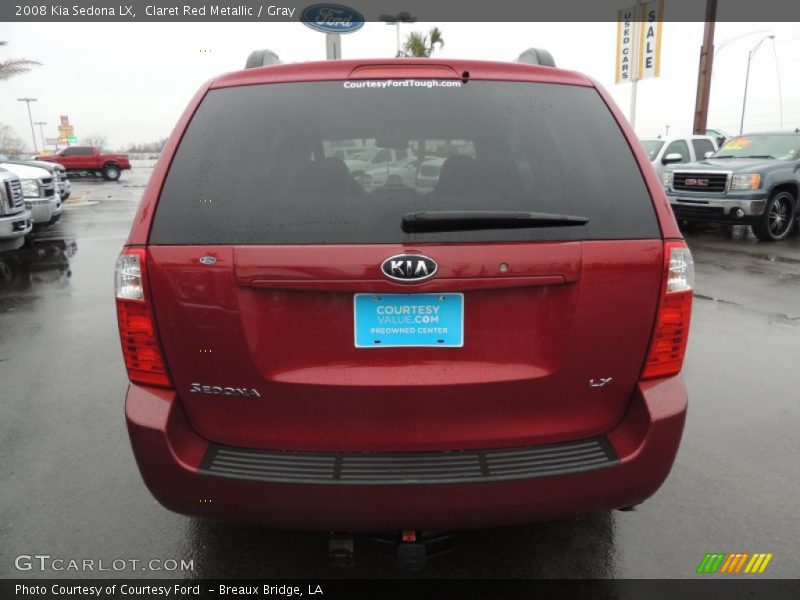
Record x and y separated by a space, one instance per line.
173 462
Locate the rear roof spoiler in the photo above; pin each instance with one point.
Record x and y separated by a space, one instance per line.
536 56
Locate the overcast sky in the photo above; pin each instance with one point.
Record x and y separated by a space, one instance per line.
130 81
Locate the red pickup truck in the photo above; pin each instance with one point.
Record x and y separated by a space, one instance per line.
86 160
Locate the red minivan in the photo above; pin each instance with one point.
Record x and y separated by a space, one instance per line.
501 345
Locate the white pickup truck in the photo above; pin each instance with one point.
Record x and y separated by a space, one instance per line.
38 190
15 219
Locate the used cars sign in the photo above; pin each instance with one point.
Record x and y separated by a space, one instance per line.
332 18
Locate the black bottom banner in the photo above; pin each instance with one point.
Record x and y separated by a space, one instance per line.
328 589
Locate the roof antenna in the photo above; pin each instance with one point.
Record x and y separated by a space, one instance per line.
262 58
536 56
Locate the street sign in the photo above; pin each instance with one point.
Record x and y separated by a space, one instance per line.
627 28
650 39
332 18
638 53
64 120
72 140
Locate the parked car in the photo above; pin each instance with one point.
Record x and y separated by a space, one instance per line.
720 136
354 153
428 173
38 190
677 150
501 349
15 219
90 160
58 172
372 158
62 181
753 180
401 172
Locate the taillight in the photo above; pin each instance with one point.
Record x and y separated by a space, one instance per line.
137 331
671 332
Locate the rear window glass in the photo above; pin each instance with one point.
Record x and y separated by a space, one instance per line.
330 163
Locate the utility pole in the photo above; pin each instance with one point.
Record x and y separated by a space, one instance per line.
30 118
704 74
41 132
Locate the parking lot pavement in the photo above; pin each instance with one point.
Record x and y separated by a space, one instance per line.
71 488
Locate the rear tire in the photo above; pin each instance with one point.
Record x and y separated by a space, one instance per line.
111 172
778 219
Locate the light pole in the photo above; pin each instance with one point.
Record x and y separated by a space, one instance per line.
736 38
30 118
41 133
401 17
778 73
747 76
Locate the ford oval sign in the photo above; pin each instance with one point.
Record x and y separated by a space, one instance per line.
409 268
332 18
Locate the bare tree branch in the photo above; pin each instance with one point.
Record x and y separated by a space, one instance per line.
94 139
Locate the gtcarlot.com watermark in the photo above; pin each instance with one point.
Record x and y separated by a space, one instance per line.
46 562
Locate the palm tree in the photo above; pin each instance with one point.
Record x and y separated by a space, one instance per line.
422 45
15 66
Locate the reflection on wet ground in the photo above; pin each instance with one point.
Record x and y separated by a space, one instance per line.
37 263
563 549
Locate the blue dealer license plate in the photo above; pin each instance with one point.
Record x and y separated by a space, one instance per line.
391 320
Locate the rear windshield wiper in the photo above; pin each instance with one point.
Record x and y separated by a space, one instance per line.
464 220
760 156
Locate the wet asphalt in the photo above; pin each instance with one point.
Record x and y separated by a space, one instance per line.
69 487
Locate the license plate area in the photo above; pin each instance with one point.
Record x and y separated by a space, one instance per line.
408 320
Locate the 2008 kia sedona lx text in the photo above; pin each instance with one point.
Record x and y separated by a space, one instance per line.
500 345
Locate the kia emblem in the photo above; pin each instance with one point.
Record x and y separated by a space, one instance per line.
409 268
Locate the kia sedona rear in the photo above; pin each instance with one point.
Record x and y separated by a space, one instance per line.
496 341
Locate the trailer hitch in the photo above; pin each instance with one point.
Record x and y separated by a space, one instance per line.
410 548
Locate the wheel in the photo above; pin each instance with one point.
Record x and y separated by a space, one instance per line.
65 196
778 219
687 225
111 172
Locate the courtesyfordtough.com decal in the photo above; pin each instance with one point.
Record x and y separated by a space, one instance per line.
402 83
